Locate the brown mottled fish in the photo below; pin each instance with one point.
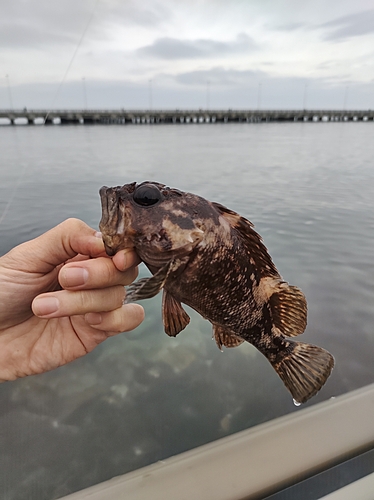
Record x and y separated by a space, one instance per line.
210 258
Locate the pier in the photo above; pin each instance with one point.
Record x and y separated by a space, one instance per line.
124 117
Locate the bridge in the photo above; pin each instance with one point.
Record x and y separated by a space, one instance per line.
180 116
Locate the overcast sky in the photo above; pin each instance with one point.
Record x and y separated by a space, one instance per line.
187 54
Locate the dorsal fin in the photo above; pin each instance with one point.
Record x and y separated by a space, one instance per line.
251 240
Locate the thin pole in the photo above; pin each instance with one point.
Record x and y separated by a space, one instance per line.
71 60
305 96
345 98
207 95
259 96
150 94
9 92
84 93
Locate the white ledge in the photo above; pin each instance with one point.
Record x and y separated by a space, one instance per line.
254 462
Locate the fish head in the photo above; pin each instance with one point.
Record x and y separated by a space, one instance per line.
160 223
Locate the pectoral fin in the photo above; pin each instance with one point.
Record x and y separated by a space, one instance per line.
147 288
289 309
174 316
224 337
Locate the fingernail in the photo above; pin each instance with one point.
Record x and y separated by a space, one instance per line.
74 276
120 260
93 318
125 259
45 306
98 234
128 259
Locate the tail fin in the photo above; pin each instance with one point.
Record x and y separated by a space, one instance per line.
304 368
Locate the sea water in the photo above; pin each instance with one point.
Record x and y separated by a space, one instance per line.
141 397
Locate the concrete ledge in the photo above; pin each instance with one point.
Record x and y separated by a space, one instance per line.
256 462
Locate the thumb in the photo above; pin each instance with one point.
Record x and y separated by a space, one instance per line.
56 246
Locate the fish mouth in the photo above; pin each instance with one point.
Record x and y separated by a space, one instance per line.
114 221
114 243
110 250
111 213
109 206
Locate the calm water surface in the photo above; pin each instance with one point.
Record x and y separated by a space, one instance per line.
141 397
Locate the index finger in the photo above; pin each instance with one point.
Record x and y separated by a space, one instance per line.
95 273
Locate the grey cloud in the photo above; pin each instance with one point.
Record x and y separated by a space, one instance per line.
173 48
219 77
21 36
150 16
124 13
147 18
40 24
358 24
291 26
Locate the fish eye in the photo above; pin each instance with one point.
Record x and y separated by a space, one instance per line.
147 195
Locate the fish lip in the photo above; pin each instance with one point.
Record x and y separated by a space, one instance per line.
107 205
103 190
111 215
109 250
114 225
113 244
104 198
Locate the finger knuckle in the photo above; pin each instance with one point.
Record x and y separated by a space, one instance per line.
73 223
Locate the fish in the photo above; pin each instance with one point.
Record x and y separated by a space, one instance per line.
204 255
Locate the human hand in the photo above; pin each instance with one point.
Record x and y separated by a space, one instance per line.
43 326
